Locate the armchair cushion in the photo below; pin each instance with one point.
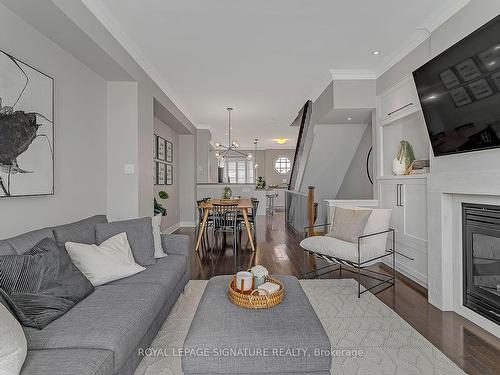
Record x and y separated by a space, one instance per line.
335 248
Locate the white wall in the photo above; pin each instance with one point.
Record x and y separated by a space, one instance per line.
273 177
187 179
172 204
80 134
122 138
356 184
332 151
468 19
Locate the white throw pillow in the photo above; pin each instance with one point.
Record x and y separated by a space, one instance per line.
156 222
110 261
378 221
13 346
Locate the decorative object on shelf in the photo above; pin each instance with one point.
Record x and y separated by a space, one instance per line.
261 183
228 193
158 208
169 179
169 152
403 160
232 146
161 148
256 299
244 281
26 129
259 275
420 166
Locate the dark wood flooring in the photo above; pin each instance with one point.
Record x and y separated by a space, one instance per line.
473 349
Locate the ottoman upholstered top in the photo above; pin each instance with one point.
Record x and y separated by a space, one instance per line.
227 339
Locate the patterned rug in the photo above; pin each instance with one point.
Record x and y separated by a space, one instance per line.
389 345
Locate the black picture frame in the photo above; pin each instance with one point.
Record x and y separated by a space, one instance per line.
161 173
155 146
169 152
161 146
169 174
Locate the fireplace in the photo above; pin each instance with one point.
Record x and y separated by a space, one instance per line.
481 259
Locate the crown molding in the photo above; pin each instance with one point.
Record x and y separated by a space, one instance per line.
442 15
114 28
345 74
423 32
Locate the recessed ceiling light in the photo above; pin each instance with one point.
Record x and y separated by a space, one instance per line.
349 118
376 52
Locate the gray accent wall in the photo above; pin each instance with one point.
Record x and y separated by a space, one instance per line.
172 203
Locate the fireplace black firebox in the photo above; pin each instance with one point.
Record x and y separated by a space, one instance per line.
481 259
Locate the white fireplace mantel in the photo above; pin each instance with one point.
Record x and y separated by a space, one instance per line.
446 192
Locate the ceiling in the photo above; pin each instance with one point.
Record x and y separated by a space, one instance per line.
265 58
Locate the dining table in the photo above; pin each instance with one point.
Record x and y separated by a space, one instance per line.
242 204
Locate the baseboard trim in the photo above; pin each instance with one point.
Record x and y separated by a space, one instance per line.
409 273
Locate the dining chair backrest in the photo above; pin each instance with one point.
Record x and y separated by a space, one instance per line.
255 205
225 216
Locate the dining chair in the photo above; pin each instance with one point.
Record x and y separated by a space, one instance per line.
252 219
225 220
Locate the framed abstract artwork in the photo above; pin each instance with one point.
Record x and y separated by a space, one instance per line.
169 180
155 173
26 129
169 152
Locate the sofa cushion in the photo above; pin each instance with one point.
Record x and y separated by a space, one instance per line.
26 241
139 235
82 231
6 248
41 284
114 317
167 272
68 361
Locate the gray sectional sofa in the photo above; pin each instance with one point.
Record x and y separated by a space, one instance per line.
103 333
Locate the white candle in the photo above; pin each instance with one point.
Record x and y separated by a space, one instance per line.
244 278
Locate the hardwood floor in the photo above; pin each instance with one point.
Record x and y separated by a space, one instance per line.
469 346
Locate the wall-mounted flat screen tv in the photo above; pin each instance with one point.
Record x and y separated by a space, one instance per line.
459 92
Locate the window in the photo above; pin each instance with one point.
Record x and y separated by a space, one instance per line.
239 171
282 165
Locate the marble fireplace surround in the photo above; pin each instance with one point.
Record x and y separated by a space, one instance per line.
446 192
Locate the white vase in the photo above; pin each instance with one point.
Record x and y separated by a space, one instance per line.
399 167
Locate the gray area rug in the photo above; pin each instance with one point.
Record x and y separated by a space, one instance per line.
388 344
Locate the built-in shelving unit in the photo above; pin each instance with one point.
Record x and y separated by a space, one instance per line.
399 117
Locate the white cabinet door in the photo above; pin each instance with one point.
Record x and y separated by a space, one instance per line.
415 210
399 101
389 198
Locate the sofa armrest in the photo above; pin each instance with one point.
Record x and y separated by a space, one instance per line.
178 244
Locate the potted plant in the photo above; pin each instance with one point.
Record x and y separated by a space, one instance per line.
158 208
261 183
228 193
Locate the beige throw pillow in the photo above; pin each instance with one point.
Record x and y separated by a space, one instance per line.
348 224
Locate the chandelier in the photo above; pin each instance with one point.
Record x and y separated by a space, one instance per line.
232 146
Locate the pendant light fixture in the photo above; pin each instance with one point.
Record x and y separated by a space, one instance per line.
232 145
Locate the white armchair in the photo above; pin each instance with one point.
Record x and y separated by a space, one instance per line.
365 248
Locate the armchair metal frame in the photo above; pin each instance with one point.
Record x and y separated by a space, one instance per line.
358 266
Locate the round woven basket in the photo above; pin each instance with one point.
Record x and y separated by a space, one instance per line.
256 300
